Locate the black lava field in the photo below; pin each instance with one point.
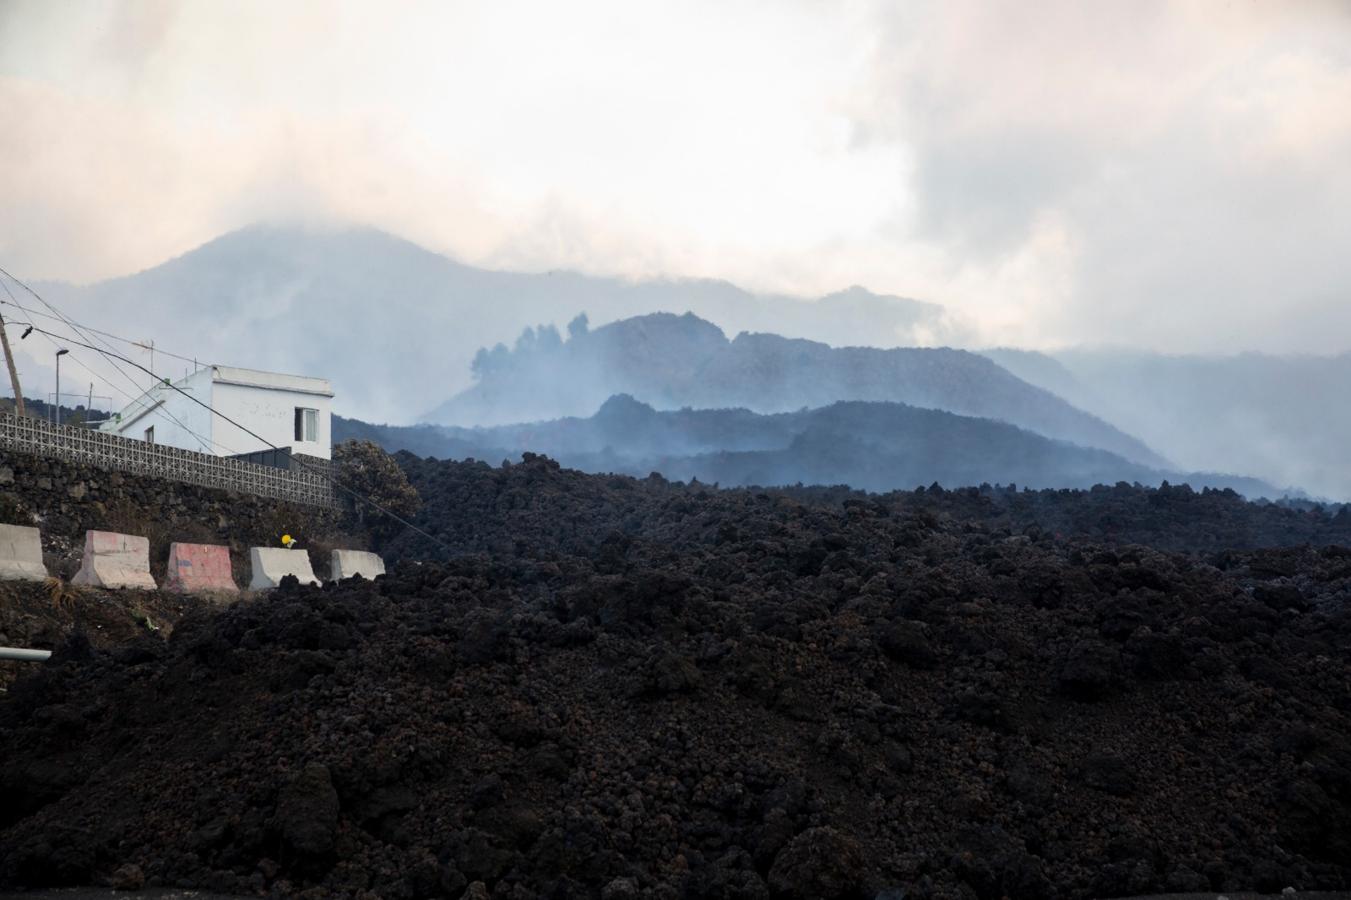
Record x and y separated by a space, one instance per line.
623 688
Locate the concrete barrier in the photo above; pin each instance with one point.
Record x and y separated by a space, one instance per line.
21 554
113 560
199 568
269 565
347 563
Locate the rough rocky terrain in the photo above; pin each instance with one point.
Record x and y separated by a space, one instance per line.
42 616
63 500
616 688
539 507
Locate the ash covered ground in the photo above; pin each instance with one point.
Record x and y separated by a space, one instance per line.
623 688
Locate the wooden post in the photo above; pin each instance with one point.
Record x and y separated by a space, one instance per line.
13 372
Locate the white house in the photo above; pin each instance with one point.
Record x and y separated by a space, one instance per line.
286 410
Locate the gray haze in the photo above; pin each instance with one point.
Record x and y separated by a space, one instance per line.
1168 174
878 446
395 327
1284 419
683 361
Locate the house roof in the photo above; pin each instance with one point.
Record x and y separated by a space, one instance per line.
271 380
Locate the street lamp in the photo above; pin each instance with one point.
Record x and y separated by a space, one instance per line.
59 353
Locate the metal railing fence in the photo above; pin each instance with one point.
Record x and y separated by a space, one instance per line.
36 437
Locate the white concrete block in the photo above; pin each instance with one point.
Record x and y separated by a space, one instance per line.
21 554
269 565
113 560
347 563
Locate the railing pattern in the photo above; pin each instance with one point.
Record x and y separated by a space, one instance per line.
35 437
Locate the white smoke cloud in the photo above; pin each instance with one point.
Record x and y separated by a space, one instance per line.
1168 174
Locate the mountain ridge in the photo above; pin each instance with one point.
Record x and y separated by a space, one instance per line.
677 361
287 298
872 446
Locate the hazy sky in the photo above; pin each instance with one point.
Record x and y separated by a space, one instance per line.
1171 175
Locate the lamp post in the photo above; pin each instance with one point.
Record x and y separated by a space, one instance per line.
59 353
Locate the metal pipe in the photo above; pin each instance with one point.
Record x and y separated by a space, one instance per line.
23 654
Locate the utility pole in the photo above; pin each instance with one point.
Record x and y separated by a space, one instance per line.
59 353
13 372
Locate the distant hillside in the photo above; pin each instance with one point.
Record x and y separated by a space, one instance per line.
870 446
1041 369
41 409
1282 418
676 361
395 326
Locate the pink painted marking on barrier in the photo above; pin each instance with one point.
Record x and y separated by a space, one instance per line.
106 542
113 560
199 567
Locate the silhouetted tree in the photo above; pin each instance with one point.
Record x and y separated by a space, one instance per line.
526 342
578 327
365 469
547 338
488 362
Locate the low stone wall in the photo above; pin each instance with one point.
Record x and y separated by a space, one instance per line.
67 499
306 483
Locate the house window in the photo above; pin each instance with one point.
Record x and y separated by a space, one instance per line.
150 435
307 424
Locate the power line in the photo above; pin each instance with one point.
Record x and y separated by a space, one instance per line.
154 409
205 443
333 481
71 325
110 354
48 337
87 328
28 317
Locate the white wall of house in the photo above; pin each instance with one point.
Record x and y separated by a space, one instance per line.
164 408
263 402
270 413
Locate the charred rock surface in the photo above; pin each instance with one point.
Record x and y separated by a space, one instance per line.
633 689
537 506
